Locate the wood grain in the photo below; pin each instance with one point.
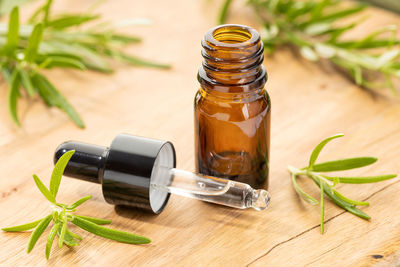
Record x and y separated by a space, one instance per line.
309 102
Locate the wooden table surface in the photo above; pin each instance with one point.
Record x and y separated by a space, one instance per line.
309 103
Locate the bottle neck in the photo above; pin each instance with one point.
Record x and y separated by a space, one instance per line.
233 57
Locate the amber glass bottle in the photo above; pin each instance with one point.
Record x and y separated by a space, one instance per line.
232 108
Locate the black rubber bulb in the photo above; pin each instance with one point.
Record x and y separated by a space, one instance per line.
87 163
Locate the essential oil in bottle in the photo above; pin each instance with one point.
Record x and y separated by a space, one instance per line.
232 107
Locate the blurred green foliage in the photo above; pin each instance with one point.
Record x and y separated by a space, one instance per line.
58 41
315 29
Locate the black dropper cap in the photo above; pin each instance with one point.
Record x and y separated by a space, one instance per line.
125 169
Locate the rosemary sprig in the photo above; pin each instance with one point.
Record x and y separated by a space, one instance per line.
61 214
58 41
327 184
315 27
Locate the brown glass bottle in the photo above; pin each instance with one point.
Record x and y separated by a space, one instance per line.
232 108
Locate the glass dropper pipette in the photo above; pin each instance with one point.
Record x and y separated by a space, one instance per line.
212 189
140 172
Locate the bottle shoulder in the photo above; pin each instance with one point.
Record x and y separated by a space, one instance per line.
232 98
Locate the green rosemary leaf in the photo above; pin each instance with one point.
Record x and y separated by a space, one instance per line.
335 15
350 201
357 212
58 172
69 240
79 202
297 40
33 43
349 207
62 61
357 73
361 179
91 59
46 11
343 164
68 20
6 74
390 29
13 31
50 238
43 189
316 11
124 39
62 234
368 45
308 53
13 96
43 92
53 98
306 197
78 237
223 14
38 232
296 10
325 51
35 15
318 29
390 84
83 38
337 32
319 147
136 61
109 233
322 207
94 220
22 227
26 82
388 57
44 53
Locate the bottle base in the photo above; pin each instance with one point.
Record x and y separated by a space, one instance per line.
236 166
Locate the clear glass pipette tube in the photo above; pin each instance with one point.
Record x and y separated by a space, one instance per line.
211 189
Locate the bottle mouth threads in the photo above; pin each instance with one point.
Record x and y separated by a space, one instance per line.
233 56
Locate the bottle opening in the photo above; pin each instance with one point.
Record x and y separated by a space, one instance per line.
232 34
233 56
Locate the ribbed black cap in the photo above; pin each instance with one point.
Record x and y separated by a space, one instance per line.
126 169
